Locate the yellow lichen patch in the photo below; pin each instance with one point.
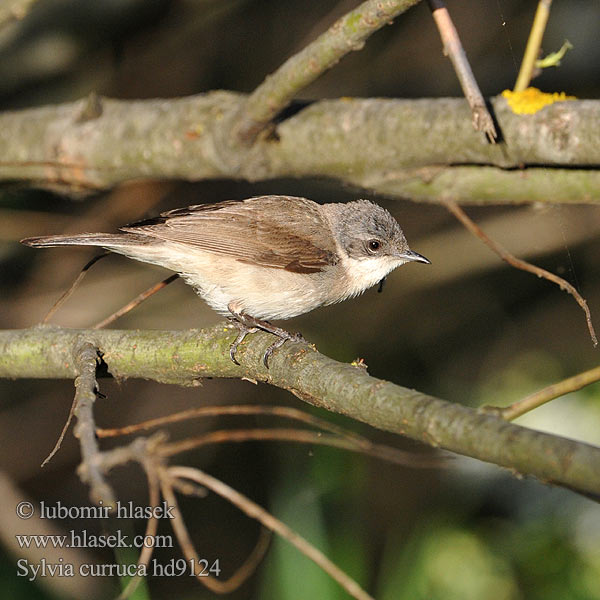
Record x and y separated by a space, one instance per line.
531 100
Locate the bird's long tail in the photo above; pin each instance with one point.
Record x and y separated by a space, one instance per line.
106 240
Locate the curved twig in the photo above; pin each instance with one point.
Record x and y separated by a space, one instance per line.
286 412
167 483
303 436
556 390
518 263
255 511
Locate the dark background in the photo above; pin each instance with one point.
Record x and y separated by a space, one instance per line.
468 328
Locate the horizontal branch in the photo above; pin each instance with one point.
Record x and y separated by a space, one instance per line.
425 150
184 357
489 185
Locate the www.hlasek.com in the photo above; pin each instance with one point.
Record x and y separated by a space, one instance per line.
83 539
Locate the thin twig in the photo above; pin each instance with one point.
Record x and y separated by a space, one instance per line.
546 394
255 511
61 437
345 438
144 452
73 287
482 119
518 263
187 546
86 387
136 301
303 436
345 35
285 412
151 529
534 43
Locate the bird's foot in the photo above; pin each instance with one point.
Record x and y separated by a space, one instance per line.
248 324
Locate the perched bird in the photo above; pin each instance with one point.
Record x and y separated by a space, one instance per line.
269 257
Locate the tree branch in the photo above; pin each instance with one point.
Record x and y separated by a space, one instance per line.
345 35
519 263
534 43
254 511
367 143
453 48
84 358
183 357
555 390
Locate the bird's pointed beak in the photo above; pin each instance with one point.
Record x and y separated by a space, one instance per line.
414 257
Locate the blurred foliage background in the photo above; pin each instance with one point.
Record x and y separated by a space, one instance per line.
468 328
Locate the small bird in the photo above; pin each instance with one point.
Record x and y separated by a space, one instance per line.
263 258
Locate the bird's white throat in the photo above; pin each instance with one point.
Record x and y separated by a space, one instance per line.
363 273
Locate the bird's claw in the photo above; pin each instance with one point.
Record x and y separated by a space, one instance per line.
244 331
242 322
292 337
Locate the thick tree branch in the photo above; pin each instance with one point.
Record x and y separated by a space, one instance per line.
420 149
183 357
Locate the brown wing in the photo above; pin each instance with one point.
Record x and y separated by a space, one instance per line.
281 232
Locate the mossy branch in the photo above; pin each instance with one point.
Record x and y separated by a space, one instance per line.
184 357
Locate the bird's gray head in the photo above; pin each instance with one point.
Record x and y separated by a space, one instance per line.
365 230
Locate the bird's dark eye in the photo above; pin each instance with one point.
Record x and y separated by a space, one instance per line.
374 245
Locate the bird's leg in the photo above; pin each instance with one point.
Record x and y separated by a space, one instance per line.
249 324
